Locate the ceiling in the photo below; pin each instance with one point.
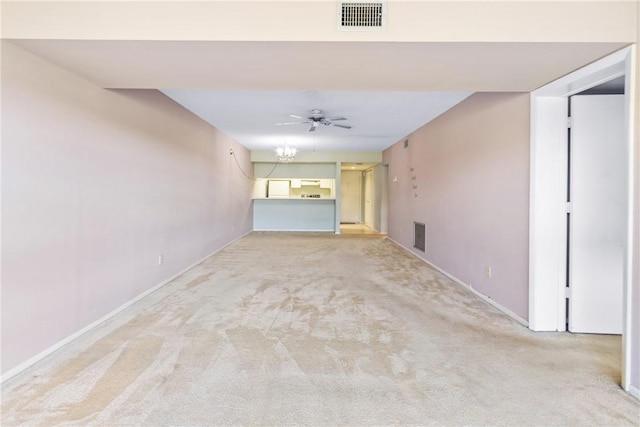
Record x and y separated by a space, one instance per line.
378 118
385 89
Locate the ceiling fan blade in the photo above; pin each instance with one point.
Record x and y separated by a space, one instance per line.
342 126
295 117
337 118
312 128
292 123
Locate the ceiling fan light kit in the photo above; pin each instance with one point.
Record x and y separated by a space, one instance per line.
315 119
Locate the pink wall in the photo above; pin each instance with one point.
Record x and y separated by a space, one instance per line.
471 168
96 184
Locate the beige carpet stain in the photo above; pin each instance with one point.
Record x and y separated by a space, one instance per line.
318 329
71 369
125 371
198 281
192 361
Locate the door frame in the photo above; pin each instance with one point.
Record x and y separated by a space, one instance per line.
368 211
547 223
360 190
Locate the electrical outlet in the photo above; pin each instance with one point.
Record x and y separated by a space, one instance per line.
487 271
160 259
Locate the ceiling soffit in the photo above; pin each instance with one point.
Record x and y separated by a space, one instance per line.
494 67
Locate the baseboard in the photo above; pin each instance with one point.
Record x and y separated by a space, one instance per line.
485 298
634 391
33 360
295 230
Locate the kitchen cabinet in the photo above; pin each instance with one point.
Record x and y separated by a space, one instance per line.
278 189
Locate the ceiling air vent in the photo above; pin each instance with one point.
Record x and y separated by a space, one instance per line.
361 16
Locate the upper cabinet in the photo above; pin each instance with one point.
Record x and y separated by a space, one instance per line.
327 183
278 189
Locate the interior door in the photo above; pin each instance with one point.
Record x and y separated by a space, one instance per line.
368 198
351 197
598 185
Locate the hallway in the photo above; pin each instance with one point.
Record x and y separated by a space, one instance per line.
359 229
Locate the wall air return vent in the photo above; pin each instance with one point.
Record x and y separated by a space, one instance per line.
361 16
419 236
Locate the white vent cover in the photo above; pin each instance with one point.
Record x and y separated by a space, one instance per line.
361 15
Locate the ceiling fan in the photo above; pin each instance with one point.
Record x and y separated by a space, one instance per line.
315 119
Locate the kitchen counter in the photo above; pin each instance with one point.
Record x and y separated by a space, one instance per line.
294 198
294 214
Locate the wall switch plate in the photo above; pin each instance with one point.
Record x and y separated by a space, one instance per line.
487 271
160 259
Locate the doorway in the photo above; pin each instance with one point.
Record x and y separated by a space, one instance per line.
351 197
369 199
548 200
364 198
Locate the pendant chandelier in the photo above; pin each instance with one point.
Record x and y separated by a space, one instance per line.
286 154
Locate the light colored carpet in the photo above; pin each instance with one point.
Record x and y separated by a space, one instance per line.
319 329
362 229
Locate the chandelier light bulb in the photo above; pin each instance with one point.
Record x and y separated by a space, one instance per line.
286 154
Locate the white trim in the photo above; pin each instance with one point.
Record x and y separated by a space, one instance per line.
337 195
547 229
33 360
466 286
591 75
635 392
286 230
546 288
628 332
